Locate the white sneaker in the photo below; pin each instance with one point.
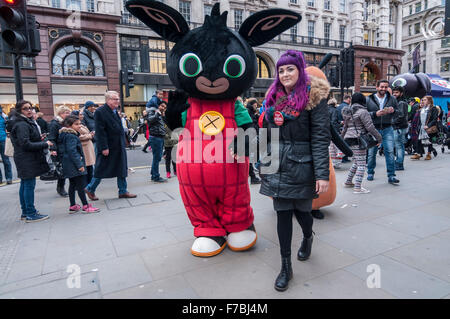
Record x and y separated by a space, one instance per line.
360 191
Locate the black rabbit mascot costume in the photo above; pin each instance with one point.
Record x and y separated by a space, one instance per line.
212 65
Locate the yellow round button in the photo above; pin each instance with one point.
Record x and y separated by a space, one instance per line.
211 123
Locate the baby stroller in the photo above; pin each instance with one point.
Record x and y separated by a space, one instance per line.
443 136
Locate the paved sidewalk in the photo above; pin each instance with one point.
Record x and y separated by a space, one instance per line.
396 237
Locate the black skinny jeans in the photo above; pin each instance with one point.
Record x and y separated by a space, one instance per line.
77 183
284 228
168 156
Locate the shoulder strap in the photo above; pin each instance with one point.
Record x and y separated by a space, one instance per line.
354 124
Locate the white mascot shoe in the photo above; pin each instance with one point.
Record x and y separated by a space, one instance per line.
207 247
242 240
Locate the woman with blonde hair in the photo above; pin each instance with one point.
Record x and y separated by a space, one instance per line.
53 134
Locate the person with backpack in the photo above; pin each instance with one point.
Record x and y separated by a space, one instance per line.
74 164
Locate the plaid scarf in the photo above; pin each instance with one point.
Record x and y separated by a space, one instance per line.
286 104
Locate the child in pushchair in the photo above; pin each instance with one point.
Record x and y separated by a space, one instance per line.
443 135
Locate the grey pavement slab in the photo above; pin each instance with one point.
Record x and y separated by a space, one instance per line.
244 277
80 251
415 223
170 288
339 284
177 259
400 280
444 234
117 203
120 273
324 259
138 241
430 255
57 289
366 239
25 269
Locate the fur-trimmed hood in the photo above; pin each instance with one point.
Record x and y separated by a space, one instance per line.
68 130
320 89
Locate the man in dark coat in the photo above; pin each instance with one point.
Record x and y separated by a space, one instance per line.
400 127
111 160
345 102
383 108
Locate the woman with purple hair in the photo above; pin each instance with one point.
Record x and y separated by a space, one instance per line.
297 107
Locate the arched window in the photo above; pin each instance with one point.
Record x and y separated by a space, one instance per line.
368 76
72 59
392 72
263 68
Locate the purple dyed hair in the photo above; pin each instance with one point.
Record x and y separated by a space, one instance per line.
301 89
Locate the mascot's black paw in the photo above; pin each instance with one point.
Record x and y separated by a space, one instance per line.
177 104
208 246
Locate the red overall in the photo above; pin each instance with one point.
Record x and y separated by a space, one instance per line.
216 195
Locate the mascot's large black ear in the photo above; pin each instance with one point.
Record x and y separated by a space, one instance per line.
164 20
265 25
424 81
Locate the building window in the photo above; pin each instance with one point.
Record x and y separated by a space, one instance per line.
56 3
128 18
424 66
391 37
342 6
342 32
409 67
207 10
410 9
311 3
77 60
327 4
238 18
293 1
263 68
391 11
417 28
90 5
368 77
293 31
418 6
6 60
327 33
445 64
366 37
185 10
410 30
311 31
131 53
392 72
425 4
424 45
158 56
74 5
445 43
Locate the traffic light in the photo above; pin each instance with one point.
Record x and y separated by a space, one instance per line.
334 76
19 31
127 80
348 67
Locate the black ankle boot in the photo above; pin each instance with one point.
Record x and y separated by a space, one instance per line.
281 283
305 248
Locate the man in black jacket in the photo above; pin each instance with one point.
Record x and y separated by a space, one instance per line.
157 131
88 116
382 108
111 160
400 127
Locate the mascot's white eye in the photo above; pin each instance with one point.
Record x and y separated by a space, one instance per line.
190 65
399 82
234 66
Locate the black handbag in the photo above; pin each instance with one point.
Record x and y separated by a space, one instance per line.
55 173
365 141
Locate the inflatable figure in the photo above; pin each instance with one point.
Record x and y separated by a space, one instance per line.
212 65
414 84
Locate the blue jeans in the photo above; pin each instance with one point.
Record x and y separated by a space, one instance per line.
26 195
388 147
6 163
157 145
121 184
400 140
